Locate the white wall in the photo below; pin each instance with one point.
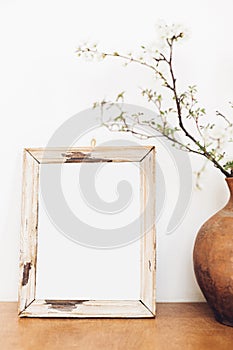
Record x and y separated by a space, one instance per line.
42 84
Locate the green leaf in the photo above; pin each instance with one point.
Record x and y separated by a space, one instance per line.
228 165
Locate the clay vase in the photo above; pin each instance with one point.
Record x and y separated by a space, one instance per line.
213 261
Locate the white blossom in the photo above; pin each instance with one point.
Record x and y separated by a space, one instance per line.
166 31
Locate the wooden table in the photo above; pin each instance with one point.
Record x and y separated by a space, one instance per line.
177 326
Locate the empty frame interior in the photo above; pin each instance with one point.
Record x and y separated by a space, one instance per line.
71 271
32 306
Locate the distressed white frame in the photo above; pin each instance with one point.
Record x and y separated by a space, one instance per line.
28 306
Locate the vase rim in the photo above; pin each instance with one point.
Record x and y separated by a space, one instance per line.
229 181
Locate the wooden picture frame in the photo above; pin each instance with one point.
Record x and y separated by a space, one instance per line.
28 306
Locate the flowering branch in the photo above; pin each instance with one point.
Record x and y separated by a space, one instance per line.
200 139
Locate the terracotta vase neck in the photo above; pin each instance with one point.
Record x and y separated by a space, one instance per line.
229 181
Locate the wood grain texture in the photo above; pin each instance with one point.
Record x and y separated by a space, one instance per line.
148 240
89 154
176 327
28 236
28 306
87 309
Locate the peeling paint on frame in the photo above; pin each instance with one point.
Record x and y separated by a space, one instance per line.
28 305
